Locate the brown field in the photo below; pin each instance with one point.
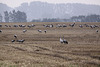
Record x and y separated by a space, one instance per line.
45 50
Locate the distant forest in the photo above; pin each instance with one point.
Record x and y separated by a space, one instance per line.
18 16
14 16
81 18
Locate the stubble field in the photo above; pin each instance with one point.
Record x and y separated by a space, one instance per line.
45 49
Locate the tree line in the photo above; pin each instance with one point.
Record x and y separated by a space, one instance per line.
18 16
14 16
81 18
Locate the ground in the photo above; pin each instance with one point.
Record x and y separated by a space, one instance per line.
45 50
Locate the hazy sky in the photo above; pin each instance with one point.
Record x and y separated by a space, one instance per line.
15 3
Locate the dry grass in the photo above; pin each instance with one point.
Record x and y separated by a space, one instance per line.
45 50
